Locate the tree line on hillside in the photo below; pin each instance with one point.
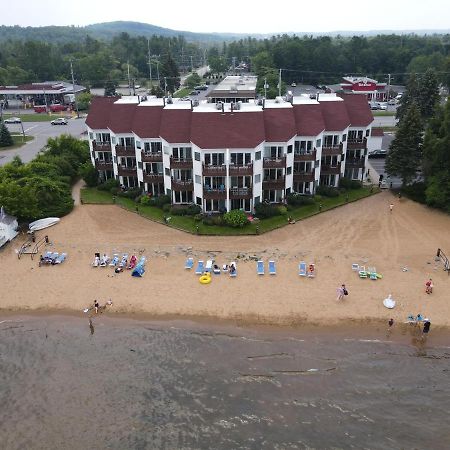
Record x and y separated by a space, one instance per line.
420 151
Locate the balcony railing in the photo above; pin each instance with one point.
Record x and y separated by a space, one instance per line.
101 146
214 194
214 171
305 156
178 163
103 165
151 157
182 185
304 177
153 177
122 150
330 170
354 162
274 163
334 150
243 192
241 169
270 184
355 144
125 171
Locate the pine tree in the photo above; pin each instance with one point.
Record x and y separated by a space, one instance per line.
409 96
5 137
170 77
428 95
405 153
110 88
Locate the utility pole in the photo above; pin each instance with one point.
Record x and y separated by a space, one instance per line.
192 65
73 90
165 86
265 88
129 81
157 71
279 84
234 65
149 63
389 86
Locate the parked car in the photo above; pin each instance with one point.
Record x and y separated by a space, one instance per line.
374 106
382 106
392 101
202 87
12 120
294 84
40 108
378 154
57 107
59 121
194 93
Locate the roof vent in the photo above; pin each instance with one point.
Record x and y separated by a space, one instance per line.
219 105
169 100
195 102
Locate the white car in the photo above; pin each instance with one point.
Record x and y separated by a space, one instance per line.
13 120
59 121
294 84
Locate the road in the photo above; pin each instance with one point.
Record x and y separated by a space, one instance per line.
41 132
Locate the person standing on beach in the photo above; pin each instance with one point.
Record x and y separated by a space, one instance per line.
426 326
96 306
341 291
391 207
391 322
429 286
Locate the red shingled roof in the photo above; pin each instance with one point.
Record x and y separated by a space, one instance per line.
99 111
334 115
358 110
147 121
176 125
377 132
227 130
121 118
279 124
309 120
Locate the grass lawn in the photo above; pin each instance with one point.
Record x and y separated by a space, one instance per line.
183 92
187 223
18 141
35 117
383 113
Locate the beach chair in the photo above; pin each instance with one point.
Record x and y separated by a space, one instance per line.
272 268
233 269
302 269
61 258
124 260
199 269
362 272
311 270
209 265
133 262
216 269
260 267
225 268
372 273
189 264
115 260
96 261
355 267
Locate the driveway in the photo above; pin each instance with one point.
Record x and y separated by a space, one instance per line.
41 131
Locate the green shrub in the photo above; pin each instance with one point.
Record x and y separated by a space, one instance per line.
218 220
198 217
166 207
299 199
144 200
282 210
235 218
179 210
208 220
108 185
160 201
264 210
130 193
416 192
346 183
194 209
327 191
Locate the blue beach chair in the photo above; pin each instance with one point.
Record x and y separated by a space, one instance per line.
272 269
199 270
260 267
189 263
302 269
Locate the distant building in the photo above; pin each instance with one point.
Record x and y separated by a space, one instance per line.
234 89
376 139
230 156
8 227
374 90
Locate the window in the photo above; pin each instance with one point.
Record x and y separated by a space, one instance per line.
198 201
156 147
182 153
344 137
240 159
113 140
319 143
258 178
257 156
367 132
198 179
167 171
138 144
289 149
91 136
257 200
140 165
288 170
166 150
197 156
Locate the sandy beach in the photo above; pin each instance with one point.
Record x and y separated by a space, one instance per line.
364 232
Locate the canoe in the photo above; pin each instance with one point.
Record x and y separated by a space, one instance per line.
43 223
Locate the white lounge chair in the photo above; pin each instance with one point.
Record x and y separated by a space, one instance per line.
260 267
272 268
209 265
355 267
115 260
104 261
61 258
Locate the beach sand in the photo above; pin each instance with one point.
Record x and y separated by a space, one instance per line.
364 232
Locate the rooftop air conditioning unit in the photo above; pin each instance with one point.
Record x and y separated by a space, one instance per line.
219 105
195 102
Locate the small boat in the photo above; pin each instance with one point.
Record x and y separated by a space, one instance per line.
389 302
43 223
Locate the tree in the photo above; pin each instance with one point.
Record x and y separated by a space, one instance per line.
84 100
428 96
405 153
410 95
89 174
193 80
5 136
217 64
110 88
170 77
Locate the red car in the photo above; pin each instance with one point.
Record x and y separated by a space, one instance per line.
40 109
57 108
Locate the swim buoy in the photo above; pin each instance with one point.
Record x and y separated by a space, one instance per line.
205 279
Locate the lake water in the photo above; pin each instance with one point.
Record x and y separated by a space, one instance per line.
127 384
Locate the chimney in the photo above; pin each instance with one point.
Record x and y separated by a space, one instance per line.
164 101
192 105
264 103
223 107
231 108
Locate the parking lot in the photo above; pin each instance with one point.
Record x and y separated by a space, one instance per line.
41 131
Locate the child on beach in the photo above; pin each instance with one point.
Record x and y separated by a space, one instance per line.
341 291
429 286
391 207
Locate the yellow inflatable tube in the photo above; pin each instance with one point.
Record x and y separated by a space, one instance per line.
205 278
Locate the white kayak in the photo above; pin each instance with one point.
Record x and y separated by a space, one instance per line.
43 223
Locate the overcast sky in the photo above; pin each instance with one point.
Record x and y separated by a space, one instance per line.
236 16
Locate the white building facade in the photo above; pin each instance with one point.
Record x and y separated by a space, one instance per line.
230 156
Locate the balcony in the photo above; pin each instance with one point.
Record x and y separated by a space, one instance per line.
153 178
182 185
101 146
177 163
214 171
125 171
214 194
357 144
103 165
241 169
274 184
304 177
354 162
151 157
330 170
305 156
243 192
122 150
330 151
274 163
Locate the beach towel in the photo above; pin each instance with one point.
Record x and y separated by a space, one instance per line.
272 269
233 269
189 264
260 267
133 262
302 269
104 260
372 273
199 269
61 258
139 270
